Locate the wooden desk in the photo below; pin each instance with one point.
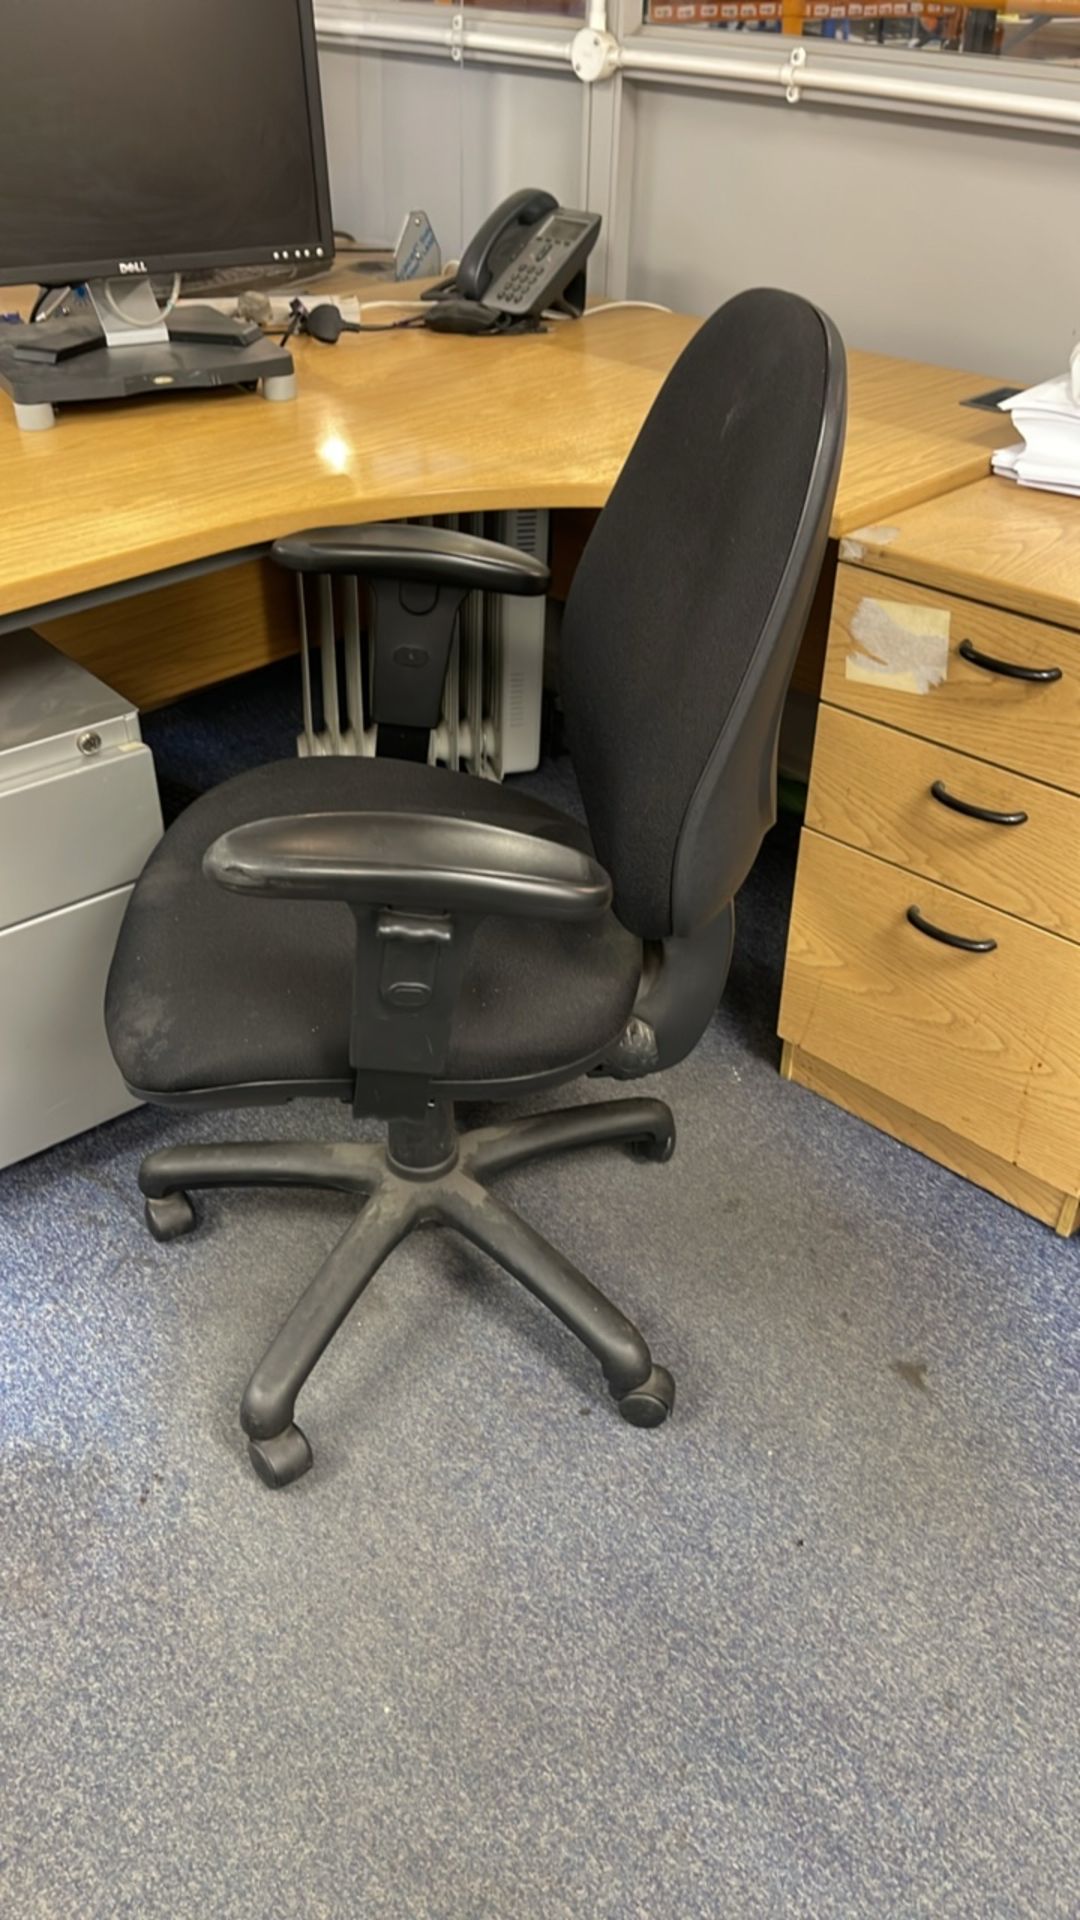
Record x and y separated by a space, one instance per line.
972 1056
385 426
396 425
392 425
1009 546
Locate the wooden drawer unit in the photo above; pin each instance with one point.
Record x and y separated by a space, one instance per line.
983 1044
951 692
903 799
894 654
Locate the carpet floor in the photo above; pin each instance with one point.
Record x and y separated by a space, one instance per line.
809 1650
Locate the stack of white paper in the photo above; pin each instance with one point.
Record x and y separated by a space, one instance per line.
1049 454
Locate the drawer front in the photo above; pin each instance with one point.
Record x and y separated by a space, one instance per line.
57 1075
894 655
870 786
987 1044
77 831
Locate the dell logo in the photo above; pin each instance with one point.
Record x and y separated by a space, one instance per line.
132 266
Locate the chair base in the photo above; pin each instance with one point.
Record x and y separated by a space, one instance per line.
425 1172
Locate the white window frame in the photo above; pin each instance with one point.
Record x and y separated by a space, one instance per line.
614 54
613 45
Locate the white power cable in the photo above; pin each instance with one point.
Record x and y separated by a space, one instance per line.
119 313
609 306
409 306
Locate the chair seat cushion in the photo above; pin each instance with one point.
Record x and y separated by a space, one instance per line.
211 989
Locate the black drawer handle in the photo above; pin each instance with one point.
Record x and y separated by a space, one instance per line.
1010 668
948 939
941 792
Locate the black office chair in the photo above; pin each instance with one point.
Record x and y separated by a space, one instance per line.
402 938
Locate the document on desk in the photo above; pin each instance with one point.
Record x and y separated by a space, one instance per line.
1014 463
1048 456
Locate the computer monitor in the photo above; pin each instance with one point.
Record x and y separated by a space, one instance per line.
144 144
153 137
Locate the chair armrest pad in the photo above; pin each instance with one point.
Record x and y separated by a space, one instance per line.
411 862
428 554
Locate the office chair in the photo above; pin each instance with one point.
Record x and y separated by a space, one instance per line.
402 938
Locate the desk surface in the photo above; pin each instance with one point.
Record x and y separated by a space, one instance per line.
399 424
1009 546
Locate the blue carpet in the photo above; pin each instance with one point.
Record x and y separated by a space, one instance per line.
810 1650
223 731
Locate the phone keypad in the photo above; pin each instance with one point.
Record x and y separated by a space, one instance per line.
520 280
525 278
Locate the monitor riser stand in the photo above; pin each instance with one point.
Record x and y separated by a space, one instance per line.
127 346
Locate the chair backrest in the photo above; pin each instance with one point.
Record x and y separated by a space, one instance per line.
687 610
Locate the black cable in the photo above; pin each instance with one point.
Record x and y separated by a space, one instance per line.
385 326
326 323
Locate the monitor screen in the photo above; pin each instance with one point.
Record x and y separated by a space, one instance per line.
168 134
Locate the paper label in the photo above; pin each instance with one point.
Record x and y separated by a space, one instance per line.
902 647
853 545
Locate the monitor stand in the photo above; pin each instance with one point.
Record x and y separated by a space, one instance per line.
125 346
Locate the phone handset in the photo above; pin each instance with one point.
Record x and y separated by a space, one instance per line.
499 238
495 243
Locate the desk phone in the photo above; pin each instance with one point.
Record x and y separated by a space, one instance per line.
543 274
528 257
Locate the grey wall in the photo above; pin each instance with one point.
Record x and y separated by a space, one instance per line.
944 243
938 242
454 140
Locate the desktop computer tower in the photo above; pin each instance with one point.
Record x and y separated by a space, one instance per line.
79 815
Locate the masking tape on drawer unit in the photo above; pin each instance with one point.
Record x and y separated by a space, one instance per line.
898 645
1032 726
853 545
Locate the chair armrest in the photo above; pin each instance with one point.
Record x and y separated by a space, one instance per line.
412 862
434 555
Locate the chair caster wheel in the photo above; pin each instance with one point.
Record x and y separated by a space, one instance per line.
170 1216
649 1404
285 1457
649 1148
